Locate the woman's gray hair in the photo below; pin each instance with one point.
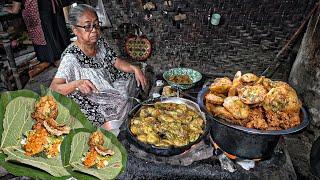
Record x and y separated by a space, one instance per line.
78 11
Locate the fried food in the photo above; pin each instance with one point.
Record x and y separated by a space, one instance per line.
275 84
210 107
222 112
236 107
168 91
53 128
46 133
172 125
282 99
97 155
249 77
103 151
236 83
40 140
214 99
294 104
294 119
282 119
221 85
256 119
53 148
90 158
45 108
36 141
252 94
276 99
96 138
180 79
254 102
265 82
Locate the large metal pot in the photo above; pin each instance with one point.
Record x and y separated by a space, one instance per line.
164 151
245 142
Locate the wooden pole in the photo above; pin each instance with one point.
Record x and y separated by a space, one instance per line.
291 41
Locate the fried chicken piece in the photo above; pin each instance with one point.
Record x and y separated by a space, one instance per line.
214 99
36 140
220 85
256 119
236 83
45 108
252 94
96 138
236 107
249 78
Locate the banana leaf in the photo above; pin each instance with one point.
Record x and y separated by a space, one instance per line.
15 119
75 145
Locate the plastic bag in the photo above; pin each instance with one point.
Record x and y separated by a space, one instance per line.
102 15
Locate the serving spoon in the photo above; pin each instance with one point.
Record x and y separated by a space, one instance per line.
140 102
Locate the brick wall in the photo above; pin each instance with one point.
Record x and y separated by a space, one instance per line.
248 37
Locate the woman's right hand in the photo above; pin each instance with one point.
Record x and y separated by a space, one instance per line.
85 86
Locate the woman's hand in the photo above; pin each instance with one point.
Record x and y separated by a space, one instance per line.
127 67
140 78
85 86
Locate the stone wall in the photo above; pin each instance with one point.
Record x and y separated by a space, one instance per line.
248 37
305 74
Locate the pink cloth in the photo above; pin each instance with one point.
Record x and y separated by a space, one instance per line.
32 20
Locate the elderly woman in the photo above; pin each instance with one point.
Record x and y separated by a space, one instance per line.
92 75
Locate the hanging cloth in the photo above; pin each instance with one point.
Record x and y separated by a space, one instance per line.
54 4
32 20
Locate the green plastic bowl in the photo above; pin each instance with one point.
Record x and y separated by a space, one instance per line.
194 75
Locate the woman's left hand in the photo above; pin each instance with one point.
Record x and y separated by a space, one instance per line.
140 78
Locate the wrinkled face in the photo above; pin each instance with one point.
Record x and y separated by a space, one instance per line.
88 28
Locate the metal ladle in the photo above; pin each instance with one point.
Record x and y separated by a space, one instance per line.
140 102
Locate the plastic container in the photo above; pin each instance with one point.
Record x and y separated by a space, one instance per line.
215 19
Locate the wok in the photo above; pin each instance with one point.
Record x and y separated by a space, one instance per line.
246 142
164 151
